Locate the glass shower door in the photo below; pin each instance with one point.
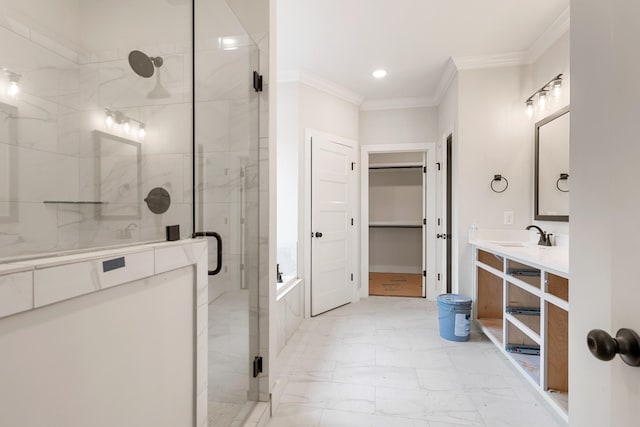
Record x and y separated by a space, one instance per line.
226 162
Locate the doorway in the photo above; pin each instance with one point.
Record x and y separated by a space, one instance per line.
398 220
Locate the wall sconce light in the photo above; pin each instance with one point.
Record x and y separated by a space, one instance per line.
118 118
13 88
554 86
499 178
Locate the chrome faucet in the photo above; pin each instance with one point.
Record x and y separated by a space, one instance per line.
544 237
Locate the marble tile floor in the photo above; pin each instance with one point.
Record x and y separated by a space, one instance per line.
228 359
381 362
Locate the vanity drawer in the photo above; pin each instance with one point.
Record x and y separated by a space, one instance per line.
62 282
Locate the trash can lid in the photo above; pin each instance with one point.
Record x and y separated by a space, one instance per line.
454 299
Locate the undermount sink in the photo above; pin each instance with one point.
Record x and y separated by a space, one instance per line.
512 244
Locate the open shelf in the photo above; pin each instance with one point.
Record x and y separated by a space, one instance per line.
524 310
493 329
396 224
399 165
530 364
560 398
527 324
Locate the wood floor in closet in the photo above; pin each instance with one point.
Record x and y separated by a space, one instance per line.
395 284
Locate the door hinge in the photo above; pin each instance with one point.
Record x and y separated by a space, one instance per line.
438 221
424 169
257 366
352 221
257 82
424 273
424 221
438 277
438 165
352 277
353 165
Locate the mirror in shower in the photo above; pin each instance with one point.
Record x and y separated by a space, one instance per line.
552 177
117 176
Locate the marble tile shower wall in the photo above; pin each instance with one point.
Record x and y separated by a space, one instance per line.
48 152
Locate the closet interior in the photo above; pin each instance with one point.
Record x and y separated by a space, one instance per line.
396 224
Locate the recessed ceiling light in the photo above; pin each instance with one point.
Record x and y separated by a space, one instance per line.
378 74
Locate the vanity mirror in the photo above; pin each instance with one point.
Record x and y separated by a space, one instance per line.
552 178
118 176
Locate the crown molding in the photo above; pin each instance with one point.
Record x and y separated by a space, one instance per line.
397 104
316 82
551 35
490 61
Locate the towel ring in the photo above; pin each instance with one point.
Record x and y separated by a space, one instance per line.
563 177
499 178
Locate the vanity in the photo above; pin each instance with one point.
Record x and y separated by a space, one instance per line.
521 288
522 305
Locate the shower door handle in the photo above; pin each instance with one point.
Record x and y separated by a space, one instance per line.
219 254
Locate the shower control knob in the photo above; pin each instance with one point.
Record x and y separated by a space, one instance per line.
605 347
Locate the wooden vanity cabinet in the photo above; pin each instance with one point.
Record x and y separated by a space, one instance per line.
524 309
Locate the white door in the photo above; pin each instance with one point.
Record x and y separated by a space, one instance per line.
331 175
604 288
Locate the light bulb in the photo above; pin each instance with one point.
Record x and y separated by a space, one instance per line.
126 127
142 132
13 89
108 120
542 100
530 108
556 88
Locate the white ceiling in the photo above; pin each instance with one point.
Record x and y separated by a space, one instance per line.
344 41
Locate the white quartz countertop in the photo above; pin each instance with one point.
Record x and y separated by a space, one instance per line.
551 258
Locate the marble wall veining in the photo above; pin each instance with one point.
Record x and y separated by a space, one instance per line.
47 137
67 79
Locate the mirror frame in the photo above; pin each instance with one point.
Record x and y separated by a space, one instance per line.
97 138
536 215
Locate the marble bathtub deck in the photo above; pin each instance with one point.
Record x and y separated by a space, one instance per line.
381 362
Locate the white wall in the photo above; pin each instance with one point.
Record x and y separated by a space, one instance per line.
327 113
494 137
399 126
288 175
448 111
303 107
120 356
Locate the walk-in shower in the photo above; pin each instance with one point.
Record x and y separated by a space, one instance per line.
112 110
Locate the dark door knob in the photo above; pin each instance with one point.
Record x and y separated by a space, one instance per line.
318 234
604 347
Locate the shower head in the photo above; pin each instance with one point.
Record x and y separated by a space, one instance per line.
143 64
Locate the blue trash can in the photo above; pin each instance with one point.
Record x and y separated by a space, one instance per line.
454 316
